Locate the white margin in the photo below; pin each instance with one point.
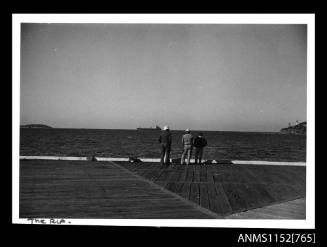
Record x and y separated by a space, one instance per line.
310 154
15 115
308 19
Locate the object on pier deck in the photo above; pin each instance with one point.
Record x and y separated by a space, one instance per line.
92 158
134 160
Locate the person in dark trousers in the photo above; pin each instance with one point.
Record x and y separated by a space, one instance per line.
187 141
199 143
165 141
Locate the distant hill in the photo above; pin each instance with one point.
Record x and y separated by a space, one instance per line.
298 129
36 126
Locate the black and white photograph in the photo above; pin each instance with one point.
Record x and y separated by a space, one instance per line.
164 120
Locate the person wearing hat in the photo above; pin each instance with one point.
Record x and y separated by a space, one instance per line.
187 142
199 143
165 141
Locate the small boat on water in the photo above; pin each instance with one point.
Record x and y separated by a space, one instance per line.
156 128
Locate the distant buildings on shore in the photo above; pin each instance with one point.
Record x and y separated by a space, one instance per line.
297 129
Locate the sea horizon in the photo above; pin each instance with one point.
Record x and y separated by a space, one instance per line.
192 130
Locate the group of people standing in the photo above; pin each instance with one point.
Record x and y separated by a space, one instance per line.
188 142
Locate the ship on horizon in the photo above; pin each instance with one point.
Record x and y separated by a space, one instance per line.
155 128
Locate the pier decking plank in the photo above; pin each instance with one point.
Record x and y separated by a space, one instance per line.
223 201
210 175
204 197
214 200
203 174
185 190
194 193
189 174
183 175
197 171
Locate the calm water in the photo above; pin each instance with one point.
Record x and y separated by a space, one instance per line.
125 143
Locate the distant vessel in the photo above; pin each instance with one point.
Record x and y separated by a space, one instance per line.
156 128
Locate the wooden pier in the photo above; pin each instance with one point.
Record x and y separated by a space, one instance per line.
116 190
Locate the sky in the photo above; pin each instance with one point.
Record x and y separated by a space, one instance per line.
223 77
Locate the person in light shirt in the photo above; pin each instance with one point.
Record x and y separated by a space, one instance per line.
187 142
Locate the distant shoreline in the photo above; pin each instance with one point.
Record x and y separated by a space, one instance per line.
181 130
35 126
43 126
